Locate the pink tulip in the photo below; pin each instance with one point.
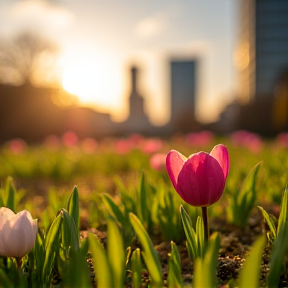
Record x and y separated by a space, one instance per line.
17 233
199 179
157 161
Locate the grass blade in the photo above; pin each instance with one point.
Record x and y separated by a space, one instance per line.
174 270
249 275
150 255
279 252
268 221
116 254
70 235
192 244
51 247
136 268
283 212
205 269
10 192
73 207
101 263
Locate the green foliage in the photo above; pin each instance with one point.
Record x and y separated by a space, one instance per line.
73 207
174 271
101 263
135 203
136 268
7 195
206 267
145 203
195 239
51 246
271 235
250 273
149 253
278 260
243 201
273 232
109 266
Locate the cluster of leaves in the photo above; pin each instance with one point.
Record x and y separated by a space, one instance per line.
144 210
59 251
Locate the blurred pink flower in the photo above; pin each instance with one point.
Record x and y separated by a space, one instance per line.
251 141
123 146
158 161
70 139
199 179
152 145
89 145
199 139
282 139
135 139
52 142
17 233
17 146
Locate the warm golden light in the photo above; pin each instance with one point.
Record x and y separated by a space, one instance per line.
95 81
242 56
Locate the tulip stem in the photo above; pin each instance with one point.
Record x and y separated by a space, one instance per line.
206 224
19 262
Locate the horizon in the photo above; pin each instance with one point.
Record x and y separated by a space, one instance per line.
100 41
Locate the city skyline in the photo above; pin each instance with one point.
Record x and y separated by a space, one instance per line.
101 40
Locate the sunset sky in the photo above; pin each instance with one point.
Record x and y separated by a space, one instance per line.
101 39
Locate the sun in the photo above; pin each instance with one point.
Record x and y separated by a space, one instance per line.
96 81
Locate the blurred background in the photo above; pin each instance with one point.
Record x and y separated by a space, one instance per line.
112 68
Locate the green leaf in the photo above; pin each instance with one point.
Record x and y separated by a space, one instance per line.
250 273
200 237
174 268
205 269
192 244
283 212
115 253
136 268
150 255
279 252
114 209
101 264
268 221
244 200
51 246
39 252
5 282
73 207
69 232
10 191
77 273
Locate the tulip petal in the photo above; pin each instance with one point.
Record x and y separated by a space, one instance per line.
18 235
220 153
174 164
201 180
5 214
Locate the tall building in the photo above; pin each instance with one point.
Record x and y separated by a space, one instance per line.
137 122
262 52
183 94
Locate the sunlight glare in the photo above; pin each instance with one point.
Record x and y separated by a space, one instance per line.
96 82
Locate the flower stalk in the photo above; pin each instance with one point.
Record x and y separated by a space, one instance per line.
206 223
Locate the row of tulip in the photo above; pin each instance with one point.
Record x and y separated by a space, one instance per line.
199 180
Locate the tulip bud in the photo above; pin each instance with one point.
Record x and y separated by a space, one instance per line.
17 233
199 179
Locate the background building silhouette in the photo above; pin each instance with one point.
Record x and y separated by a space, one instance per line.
183 95
262 53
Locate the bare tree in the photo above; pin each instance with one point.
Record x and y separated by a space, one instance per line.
19 58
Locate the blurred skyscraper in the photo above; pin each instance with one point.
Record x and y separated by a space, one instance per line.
183 94
262 53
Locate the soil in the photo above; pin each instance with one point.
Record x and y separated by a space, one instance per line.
234 248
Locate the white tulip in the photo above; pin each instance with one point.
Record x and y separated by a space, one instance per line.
17 233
